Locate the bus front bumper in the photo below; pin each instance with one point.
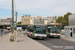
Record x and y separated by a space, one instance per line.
53 35
40 35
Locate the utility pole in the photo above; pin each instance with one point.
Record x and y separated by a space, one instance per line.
12 16
55 21
16 20
12 36
16 27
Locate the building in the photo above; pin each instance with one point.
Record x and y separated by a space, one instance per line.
9 18
72 19
31 20
25 19
71 26
45 21
38 20
51 20
5 21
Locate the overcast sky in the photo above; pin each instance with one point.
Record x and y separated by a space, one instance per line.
36 7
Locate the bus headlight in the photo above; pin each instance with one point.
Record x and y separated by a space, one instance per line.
35 35
50 33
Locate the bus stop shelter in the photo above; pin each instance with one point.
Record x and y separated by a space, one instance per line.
67 31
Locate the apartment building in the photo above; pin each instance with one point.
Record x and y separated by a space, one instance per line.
38 20
25 19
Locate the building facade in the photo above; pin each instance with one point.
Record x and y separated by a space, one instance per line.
25 19
51 20
38 20
5 21
72 19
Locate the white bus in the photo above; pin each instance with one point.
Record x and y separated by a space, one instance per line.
36 31
53 32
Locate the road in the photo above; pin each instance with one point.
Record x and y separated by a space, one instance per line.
57 44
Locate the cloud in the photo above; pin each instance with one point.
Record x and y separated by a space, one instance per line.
38 7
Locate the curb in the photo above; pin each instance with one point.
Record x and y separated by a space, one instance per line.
68 39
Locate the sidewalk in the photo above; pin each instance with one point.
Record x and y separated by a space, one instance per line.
69 39
24 43
3 35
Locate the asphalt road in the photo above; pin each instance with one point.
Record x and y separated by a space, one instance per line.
57 44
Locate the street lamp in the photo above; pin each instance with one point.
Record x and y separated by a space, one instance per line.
12 16
16 20
55 21
12 36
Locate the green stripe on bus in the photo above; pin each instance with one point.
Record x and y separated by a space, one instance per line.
49 33
32 33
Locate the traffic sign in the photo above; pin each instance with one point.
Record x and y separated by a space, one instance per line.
14 24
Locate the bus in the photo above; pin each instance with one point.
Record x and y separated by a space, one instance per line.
53 32
37 31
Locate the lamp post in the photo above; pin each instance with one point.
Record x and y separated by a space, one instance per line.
16 20
12 16
11 36
16 27
55 21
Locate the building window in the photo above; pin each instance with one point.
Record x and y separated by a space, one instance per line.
51 21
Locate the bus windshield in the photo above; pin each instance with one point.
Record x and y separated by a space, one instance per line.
55 30
41 30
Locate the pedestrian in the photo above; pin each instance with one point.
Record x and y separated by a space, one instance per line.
1 32
71 32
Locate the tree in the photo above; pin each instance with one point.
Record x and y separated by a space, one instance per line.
60 20
19 23
66 17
